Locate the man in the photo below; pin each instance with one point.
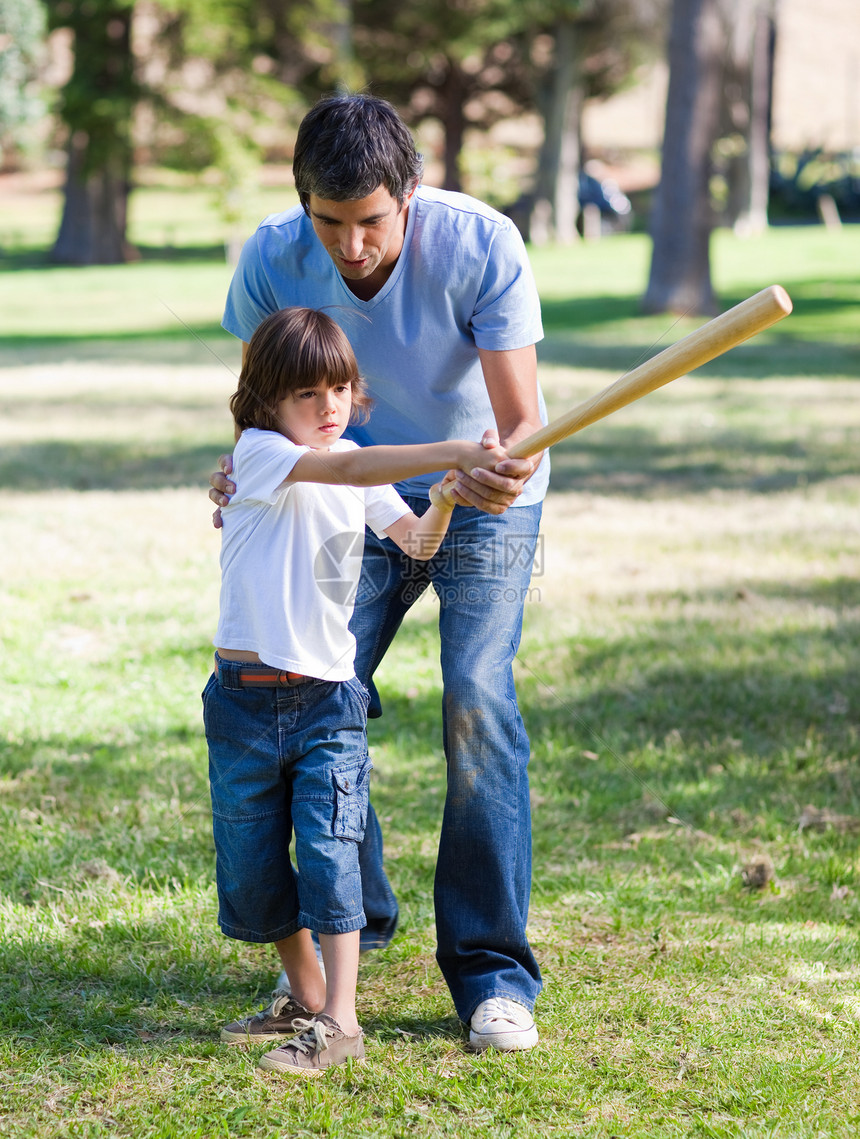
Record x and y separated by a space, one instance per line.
435 293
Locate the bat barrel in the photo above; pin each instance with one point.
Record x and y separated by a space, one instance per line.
733 327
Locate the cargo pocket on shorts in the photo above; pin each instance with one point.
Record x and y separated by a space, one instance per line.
351 795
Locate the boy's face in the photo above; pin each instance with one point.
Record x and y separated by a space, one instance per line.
363 237
316 417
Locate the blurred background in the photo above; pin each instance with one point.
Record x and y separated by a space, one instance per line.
578 118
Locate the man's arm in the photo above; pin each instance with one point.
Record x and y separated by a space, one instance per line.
511 379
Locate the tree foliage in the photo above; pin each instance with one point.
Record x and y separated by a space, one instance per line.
22 32
461 65
190 93
484 60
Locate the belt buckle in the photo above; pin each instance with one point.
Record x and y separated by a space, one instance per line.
290 679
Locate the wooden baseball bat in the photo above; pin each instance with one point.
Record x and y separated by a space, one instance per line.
740 323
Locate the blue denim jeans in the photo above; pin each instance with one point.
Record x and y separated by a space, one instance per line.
284 760
483 872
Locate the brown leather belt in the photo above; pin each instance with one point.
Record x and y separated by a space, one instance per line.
268 678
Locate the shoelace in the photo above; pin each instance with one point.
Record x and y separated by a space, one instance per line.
312 1036
497 1008
281 1000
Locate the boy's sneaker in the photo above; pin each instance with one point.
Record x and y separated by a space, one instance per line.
283 1017
321 1043
503 1024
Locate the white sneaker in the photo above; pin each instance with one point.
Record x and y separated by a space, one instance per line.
282 985
503 1024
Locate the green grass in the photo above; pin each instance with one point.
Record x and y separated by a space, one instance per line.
687 673
168 214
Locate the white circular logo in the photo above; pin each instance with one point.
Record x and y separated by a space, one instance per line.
337 566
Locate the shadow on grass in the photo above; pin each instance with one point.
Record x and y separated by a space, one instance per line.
777 710
114 991
574 326
706 718
798 358
397 1026
141 807
109 466
29 258
174 343
631 462
813 296
618 460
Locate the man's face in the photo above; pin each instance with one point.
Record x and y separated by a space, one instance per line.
363 237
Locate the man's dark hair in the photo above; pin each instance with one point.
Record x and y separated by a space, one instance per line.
350 145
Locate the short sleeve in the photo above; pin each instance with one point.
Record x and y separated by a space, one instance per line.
250 298
507 311
382 507
261 462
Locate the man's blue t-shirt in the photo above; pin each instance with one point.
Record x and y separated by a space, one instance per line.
462 282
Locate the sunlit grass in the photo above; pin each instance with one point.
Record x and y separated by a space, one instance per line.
687 674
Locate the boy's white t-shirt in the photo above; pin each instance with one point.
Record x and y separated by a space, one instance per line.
291 558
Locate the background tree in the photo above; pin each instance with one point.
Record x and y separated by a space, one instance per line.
456 64
203 71
560 93
96 106
748 95
580 50
683 217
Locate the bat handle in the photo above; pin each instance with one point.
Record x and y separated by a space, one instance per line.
441 496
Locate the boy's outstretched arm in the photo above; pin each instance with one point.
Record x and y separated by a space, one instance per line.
378 465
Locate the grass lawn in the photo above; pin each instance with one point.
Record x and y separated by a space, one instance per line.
688 675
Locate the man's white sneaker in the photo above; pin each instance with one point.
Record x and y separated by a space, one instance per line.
503 1024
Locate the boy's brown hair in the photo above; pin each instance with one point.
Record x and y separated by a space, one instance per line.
294 349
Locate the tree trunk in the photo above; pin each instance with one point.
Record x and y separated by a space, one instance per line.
680 277
751 197
97 108
452 95
566 197
347 74
95 209
556 202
